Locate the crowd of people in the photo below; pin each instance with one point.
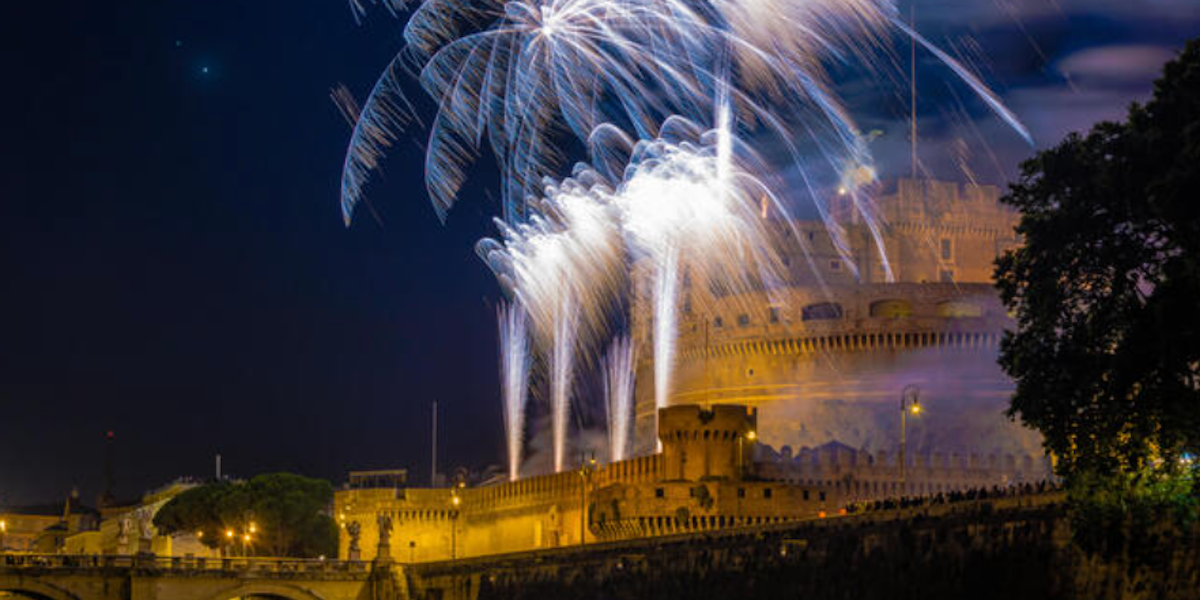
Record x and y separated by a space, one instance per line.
954 497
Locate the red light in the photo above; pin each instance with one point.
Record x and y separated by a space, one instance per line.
110 435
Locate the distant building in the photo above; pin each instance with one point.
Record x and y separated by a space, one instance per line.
43 528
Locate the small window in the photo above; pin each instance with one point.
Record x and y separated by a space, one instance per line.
718 322
835 265
659 493
955 309
687 305
766 492
811 235
743 320
806 494
741 492
822 311
947 249
821 496
774 314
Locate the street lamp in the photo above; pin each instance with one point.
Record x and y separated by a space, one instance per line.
910 401
455 501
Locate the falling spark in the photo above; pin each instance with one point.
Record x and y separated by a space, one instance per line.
618 394
514 380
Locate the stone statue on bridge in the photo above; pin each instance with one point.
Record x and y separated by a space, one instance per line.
146 530
384 551
125 526
354 530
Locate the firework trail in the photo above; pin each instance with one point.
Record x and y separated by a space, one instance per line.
562 377
522 78
618 371
685 198
694 201
514 380
564 266
631 81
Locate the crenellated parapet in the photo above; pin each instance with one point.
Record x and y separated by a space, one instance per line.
857 475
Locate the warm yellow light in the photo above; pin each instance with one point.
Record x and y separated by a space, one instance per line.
3 525
246 538
229 533
752 436
253 528
916 409
199 534
455 500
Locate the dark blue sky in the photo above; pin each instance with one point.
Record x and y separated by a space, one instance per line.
174 265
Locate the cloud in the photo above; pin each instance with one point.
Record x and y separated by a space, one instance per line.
1115 65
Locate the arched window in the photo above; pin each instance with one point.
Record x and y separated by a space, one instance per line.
821 311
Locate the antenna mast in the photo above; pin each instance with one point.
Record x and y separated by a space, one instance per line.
912 82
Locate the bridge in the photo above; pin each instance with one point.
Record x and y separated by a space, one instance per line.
1008 547
66 577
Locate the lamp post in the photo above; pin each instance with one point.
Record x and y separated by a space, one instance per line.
454 501
910 401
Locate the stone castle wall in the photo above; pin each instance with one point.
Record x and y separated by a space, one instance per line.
712 475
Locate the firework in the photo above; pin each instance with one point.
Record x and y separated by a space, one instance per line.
618 371
514 380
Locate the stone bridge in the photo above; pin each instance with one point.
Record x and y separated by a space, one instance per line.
65 577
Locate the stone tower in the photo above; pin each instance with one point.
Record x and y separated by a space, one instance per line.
704 443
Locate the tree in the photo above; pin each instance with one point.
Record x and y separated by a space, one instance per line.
284 514
1106 290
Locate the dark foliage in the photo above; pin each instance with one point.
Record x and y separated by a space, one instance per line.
1106 290
288 514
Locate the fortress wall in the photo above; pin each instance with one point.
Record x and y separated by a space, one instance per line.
531 513
840 379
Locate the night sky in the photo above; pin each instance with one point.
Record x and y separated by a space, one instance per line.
175 267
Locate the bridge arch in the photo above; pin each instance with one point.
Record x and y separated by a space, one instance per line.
270 590
30 586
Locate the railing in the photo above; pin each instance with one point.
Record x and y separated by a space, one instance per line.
258 566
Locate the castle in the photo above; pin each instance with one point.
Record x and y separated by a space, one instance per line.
825 357
814 368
